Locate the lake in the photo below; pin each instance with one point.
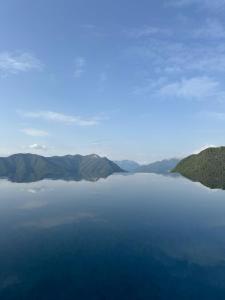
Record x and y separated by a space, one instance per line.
139 236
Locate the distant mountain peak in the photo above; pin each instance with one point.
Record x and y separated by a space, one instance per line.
95 155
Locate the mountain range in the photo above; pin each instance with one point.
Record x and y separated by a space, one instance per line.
207 167
32 167
158 167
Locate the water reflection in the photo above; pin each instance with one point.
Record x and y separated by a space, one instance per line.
212 182
127 237
26 178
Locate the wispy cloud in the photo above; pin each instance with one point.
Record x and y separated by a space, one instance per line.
150 86
34 132
38 147
12 63
146 31
168 57
212 29
80 65
209 4
197 88
63 118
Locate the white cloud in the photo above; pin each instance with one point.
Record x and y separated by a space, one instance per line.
62 118
198 88
34 132
80 65
146 31
38 147
11 63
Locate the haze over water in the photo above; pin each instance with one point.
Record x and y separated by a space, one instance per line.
140 236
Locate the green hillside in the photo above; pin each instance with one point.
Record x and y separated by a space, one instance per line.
207 167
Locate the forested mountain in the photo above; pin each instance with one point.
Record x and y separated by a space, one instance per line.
207 167
31 167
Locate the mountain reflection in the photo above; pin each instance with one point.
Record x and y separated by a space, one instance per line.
28 178
212 182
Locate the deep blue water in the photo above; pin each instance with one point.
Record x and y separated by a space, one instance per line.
131 237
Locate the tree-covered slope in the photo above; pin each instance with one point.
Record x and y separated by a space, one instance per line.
207 167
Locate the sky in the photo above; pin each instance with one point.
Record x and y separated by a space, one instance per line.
140 79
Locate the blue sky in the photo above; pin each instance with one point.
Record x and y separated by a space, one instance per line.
136 79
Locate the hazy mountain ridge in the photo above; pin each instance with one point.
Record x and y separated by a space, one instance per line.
159 167
32 167
127 165
207 167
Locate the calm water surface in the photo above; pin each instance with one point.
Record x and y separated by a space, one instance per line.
125 237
